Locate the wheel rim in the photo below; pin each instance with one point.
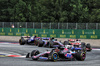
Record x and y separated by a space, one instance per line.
55 56
83 56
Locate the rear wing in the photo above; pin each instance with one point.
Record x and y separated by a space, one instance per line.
74 40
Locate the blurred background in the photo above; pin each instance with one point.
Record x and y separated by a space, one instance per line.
62 11
51 25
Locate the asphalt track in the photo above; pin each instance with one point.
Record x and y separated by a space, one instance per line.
92 58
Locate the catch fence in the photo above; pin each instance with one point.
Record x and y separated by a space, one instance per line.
36 25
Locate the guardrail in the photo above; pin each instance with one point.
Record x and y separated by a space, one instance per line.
57 33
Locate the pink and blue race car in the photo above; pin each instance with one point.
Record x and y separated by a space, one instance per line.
55 54
49 42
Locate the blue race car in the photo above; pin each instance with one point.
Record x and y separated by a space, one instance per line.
28 40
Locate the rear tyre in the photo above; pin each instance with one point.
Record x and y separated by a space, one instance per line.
36 42
22 41
80 56
89 47
84 49
51 44
40 43
66 42
83 46
47 45
34 53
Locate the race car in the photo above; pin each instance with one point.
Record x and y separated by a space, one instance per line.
28 40
52 43
49 42
55 54
78 43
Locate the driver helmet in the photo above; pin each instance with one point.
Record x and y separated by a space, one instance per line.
76 39
68 46
52 38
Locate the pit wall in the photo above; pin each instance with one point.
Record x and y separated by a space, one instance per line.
57 33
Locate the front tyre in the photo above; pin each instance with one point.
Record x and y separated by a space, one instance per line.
80 56
34 53
54 56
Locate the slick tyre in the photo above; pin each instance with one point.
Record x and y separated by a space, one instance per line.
84 49
47 45
40 43
34 53
83 44
54 56
80 56
51 44
21 41
89 47
66 43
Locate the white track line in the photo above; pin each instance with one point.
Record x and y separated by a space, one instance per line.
95 49
8 43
